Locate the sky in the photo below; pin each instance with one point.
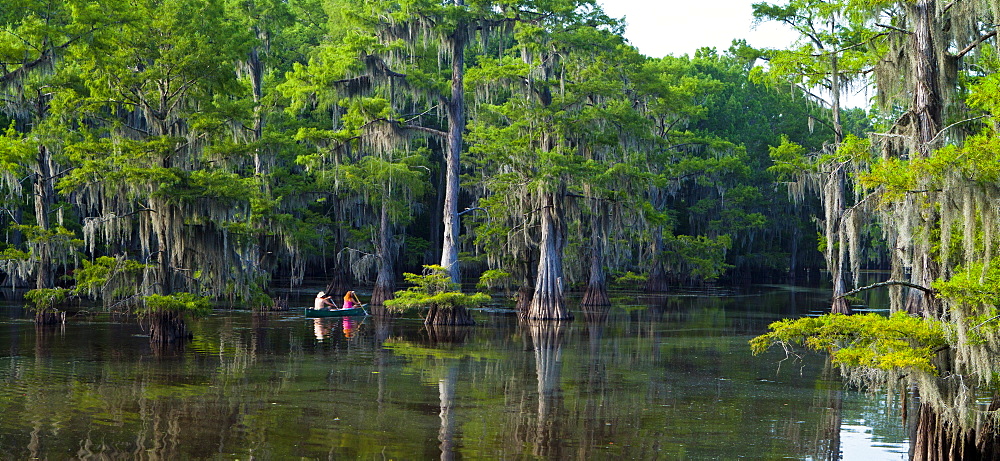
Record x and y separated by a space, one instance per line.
678 27
661 27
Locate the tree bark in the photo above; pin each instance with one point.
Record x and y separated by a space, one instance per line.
49 317
833 209
255 67
940 440
43 204
548 302
927 114
597 285
524 295
838 130
385 282
657 280
455 108
921 301
164 228
927 104
167 327
456 316
840 305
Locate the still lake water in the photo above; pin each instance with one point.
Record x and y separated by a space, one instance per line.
670 377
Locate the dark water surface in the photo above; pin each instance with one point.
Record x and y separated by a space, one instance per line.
671 377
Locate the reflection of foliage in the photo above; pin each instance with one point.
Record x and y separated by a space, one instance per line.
433 289
895 343
218 397
46 299
431 364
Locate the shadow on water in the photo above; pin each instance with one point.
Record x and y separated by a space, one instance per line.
649 377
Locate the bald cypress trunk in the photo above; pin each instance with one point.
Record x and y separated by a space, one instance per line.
927 115
927 103
43 203
938 439
167 327
455 108
255 69
657 280
548 302
385 282
456 316
597 284
164 229
524 295
49 317
835 253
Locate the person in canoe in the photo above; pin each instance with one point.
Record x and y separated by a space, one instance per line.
351 300
323 301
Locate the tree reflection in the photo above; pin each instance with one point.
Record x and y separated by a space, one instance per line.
446 394
597 375
547 341
830 404
628 382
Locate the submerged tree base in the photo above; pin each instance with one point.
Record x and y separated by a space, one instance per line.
50 317
381 294
938 439
524 295
548 308
455 316
167 327
841 306
596 296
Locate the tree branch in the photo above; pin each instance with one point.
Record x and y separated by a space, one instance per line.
473 209
974 44
897 29
98 220
953 124
926 290
376 63
399 124
856 45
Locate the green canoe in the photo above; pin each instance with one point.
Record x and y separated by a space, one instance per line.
310 312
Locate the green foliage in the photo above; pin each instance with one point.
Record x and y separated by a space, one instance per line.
631 280
433 288
495 279
975 161
896 343
790 160
974 288
46 299
264 135
180 302
13 254
108 277
699 257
